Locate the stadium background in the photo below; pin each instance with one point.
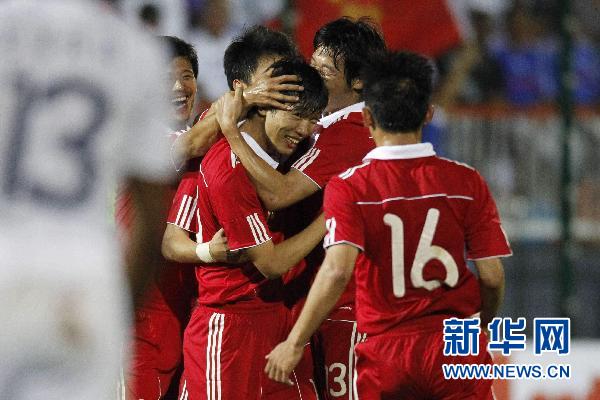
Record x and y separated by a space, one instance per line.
518 95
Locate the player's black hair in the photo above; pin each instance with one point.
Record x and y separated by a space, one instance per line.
352 42
242 55
314 97
181 48
397 90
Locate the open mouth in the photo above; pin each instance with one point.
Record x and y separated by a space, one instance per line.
179 102
292 141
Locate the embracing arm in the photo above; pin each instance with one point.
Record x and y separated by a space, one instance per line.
329 284
177 246
274 260
275 189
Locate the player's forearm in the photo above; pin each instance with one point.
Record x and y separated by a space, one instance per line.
270 184
197 141
491 286
177 246
324 293
290 252
491 300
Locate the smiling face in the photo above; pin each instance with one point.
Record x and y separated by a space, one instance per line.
340 94
183 89
286 129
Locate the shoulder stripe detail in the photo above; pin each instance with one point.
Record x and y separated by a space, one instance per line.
428 196
203 177
350 171
261 228
307 159
183 209
191 213
252 228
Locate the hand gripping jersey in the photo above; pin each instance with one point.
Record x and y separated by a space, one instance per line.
414 216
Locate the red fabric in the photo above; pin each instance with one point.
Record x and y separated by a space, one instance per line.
410 367
414 190
426 27
338 147
228 199
232 346
337 337
184 207
156 354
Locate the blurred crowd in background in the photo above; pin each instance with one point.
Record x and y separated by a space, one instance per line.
500 67
487 51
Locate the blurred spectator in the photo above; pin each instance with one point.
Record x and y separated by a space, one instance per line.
211 32
474 76
150 17
527 57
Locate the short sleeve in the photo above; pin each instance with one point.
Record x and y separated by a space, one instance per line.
239 211
342 216
184 207
319 164
484 235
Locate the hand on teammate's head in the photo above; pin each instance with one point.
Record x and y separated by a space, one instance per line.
266 91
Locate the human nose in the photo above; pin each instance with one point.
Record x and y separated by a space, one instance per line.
177 85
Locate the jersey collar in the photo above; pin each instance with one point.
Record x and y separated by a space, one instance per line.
325 122
400 152
259 151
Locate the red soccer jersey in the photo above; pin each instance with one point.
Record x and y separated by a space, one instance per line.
414 216
228 199
342 142
184 209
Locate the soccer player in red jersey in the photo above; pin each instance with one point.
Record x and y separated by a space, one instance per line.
406 218
341 49
240 313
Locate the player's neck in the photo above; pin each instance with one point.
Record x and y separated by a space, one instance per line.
384 138
341 102
255 127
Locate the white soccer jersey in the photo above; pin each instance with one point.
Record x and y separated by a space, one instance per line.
81 105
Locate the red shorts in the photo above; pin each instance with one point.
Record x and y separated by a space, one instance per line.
337 337
156 354
409 366
224 352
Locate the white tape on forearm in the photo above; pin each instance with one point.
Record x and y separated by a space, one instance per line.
203 253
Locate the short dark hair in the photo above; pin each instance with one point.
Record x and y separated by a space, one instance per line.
351 42
313 99
242 55
397 90
181 48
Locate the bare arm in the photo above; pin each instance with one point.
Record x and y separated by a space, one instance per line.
274 260
179 247
142 255
198 139
327 288
275 189
491 285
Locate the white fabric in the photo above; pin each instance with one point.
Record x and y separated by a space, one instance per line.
400 152
330 119
259 151
81 106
